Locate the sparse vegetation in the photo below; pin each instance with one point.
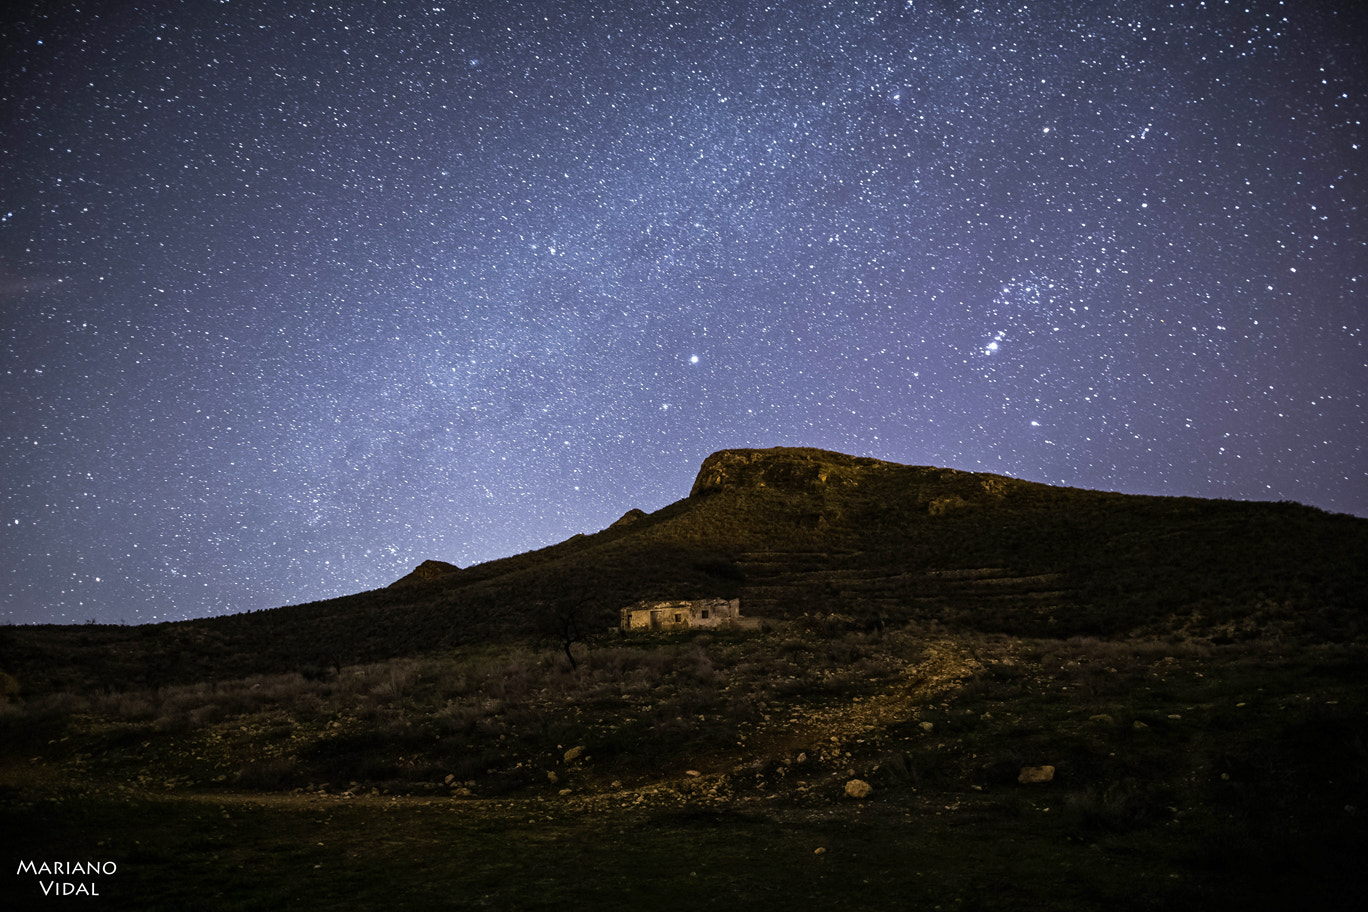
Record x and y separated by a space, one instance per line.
1200 705
1159 748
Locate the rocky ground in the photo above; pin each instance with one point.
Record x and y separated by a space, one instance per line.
1125 763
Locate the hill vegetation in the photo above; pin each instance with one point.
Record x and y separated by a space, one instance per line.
968 691
793 533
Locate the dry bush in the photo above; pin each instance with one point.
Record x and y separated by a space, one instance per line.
9 690
700 668
56 704
129 706
267 775
1117 808
457 718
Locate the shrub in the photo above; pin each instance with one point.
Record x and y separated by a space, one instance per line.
1118 808
276 773
9 689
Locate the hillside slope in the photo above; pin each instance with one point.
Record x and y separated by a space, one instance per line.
804 532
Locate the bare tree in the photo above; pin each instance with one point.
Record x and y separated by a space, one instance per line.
568 629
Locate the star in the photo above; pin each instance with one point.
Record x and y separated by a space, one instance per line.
291 302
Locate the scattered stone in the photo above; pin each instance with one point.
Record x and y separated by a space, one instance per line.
552 777
1104 718
1138 725
819 851
574 754
1033 774
858 788
692 773
928 727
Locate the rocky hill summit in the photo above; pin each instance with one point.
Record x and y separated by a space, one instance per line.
864 485
800 534
782 468
426 572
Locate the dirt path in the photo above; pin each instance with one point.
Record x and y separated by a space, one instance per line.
942 669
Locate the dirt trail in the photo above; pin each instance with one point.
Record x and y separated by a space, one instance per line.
943 668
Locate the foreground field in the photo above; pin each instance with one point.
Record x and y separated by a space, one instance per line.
237 852
713 771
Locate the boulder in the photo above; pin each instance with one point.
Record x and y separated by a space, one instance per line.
1033 774
426 572
858 788
628 518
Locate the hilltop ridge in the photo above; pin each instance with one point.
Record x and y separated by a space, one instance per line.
799 532
785 468
426 572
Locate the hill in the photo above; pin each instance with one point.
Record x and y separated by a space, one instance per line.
803 532
968 692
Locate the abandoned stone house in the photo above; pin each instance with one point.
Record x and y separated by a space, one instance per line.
682 615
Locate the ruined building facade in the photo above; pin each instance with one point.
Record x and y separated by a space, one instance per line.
682 615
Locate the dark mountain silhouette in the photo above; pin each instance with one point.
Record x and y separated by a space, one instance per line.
426 572
803 534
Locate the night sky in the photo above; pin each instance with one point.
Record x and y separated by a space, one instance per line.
294 296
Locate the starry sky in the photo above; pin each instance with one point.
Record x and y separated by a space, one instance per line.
294 296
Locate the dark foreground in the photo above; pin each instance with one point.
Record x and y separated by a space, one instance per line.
221 852
710 772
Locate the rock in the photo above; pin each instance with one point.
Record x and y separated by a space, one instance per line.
1031 774
858 788
942 505
1104 718
552 777
574 754
780 468
628 518
426 572
928 727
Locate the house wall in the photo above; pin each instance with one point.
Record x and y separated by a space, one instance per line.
680 615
